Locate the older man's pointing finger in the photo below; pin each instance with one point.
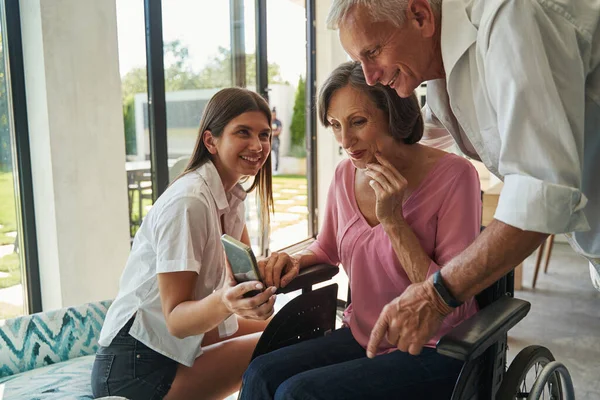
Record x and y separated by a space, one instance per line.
410 320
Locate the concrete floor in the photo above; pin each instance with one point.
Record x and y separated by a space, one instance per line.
564 317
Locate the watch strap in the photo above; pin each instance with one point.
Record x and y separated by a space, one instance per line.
440 287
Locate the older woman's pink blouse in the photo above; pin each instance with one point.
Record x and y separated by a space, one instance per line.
444 212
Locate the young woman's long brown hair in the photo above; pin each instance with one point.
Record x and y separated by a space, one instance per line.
224 106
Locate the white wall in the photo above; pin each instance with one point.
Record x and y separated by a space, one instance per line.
73 93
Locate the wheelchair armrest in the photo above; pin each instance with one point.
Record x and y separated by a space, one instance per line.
473 336
310 276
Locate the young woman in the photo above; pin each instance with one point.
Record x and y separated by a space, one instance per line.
180 326
396 212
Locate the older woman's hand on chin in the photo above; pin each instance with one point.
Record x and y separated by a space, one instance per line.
278 269
389 186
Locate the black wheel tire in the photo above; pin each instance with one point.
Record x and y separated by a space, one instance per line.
523 362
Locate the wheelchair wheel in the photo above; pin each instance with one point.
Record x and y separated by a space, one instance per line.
523 373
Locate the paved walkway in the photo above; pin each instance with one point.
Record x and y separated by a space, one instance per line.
6 250
12 295
11 298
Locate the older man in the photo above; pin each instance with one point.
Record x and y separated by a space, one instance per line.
517 85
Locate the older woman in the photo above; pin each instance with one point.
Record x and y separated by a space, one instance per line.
396 212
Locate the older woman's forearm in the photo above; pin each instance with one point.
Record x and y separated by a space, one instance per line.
408 249
494 253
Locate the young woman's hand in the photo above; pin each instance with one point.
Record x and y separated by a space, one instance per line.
257 307
278 269
389 186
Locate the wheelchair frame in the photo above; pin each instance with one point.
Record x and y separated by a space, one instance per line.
480 341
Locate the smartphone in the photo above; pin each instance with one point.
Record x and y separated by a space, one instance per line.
242 261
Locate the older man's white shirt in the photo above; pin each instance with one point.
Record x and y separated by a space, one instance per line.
516 71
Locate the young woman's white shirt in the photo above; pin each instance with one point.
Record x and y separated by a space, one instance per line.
180 233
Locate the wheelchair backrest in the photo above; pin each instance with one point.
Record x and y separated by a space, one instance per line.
502 287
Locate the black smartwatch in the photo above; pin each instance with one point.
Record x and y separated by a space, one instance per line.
439 286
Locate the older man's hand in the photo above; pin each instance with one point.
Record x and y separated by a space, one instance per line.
409 321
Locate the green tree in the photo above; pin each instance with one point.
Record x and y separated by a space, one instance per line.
298 125
134 82
179 75
218 71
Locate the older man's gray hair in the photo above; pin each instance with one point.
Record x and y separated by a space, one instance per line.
379 10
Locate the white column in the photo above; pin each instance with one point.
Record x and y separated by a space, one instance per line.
330 54
77 147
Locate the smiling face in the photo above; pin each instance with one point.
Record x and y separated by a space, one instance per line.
358 125
243 147
401 58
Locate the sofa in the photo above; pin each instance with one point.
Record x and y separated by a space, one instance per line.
49 355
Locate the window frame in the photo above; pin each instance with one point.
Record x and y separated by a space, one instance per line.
157 99
17 109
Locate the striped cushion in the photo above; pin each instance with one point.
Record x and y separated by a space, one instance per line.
46 338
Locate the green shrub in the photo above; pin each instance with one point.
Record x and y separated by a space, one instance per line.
298 126
298 151
129 122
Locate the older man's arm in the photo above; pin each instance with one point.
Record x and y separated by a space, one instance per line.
498 250
419 312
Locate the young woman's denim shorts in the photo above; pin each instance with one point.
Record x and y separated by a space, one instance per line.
130 369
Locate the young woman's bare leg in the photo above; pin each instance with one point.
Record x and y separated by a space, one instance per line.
217 373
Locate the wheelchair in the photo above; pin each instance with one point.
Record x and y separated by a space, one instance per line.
480 341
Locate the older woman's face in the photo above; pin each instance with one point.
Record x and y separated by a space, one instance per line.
358 125
401 58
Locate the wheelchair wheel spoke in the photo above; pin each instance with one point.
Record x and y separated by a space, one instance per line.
524 372
524 386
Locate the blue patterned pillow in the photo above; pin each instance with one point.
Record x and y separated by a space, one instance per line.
45 338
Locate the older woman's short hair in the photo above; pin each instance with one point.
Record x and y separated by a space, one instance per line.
404 114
